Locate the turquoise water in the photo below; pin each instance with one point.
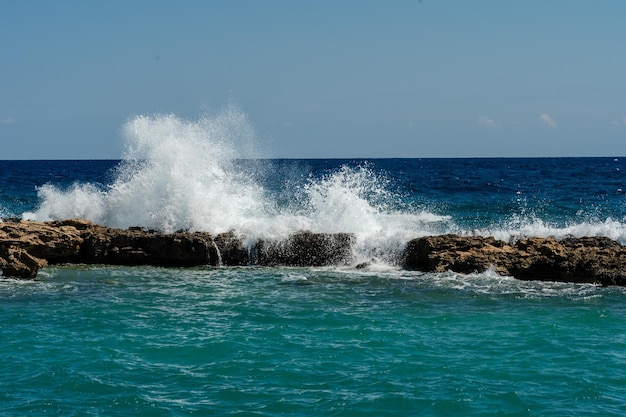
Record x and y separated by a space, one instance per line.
112 341
95 341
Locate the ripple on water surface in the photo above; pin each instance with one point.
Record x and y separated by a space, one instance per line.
94 341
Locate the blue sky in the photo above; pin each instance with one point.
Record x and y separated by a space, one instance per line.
319 79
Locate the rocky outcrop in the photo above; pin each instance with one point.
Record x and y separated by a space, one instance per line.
17 262
306 249
585 260
139 247
27 246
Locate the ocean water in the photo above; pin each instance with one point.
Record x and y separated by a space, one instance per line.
337 341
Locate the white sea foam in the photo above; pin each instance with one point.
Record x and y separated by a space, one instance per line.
180 174
610 228
175 174
4 213
492 284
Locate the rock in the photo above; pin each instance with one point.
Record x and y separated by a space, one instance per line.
79 241
16 262
55 242
363 265
456 253
232 250
596 260
307 249
26 246
588 259
136 247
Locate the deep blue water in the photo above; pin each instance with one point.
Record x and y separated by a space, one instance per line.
19 180
96 340
476 192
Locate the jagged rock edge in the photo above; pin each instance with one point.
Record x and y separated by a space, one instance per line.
26 246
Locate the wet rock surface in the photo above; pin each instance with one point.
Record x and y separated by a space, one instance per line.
596 260
26 246
307 249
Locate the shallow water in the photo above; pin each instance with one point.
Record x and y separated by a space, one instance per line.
257 341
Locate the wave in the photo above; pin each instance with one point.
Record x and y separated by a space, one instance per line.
184 174
5 213
610 228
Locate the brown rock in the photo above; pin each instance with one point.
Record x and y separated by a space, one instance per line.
16 262
586 260
54 242
27 246
78 241
456 253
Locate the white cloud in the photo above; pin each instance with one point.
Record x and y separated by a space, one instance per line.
487 122
547 120
7 121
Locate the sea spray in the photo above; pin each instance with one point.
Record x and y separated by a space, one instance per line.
5 213
531 227
182 174
176 174
359 200
205 175
82 201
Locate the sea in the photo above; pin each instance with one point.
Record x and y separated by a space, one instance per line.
98 340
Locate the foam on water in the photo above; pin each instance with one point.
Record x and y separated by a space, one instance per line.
5 213
534 227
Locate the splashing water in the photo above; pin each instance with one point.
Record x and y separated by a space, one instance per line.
610 228
180 174
187 174
359 201
176 174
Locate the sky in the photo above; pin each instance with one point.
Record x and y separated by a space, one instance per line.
319 79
